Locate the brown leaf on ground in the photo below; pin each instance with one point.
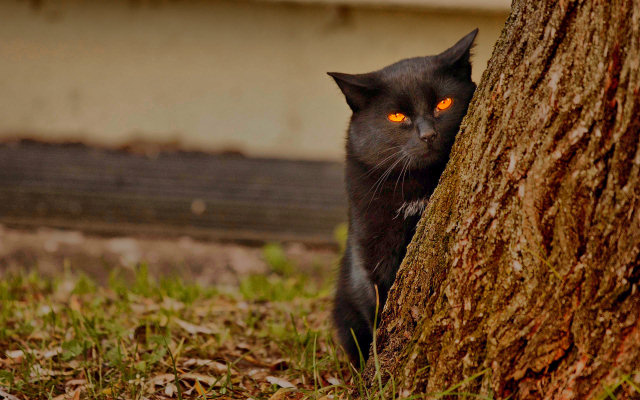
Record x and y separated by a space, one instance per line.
192 328
283 383
209 380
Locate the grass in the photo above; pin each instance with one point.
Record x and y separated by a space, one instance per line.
623 384
168 339
269 338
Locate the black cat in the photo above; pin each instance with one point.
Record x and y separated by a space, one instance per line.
405 119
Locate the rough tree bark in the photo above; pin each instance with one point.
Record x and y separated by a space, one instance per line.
526 263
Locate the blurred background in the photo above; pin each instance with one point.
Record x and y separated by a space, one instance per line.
186 133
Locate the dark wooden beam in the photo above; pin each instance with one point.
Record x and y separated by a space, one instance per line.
227 197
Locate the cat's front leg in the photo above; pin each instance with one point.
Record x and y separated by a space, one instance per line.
354 306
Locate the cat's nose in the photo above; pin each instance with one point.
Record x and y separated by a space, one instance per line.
428 135
426 131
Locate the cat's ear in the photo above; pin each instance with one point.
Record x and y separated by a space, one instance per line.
357 89
458 56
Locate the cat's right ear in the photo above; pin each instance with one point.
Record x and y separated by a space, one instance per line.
357 89
457 56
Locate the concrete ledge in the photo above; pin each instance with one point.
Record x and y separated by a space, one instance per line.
501 6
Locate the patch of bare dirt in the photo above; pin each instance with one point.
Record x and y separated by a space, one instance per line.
49 251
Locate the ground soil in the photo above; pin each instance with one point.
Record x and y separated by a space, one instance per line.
49 251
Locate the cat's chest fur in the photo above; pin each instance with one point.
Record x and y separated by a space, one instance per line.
383 217
412 208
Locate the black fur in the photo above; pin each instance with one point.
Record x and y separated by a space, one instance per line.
389 167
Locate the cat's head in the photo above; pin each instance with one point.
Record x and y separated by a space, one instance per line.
409 112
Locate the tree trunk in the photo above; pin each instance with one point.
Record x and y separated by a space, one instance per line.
525 267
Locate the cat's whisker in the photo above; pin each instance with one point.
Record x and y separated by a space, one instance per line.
405 156
380 182
376 267
381 163
400 177
374 187
395 186
407 173
385 175
382 177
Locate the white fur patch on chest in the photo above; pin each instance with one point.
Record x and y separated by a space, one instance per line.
411 208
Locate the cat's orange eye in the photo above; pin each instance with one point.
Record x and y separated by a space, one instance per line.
444 104
396 117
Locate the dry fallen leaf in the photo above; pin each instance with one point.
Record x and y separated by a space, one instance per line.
170 389
172 304
254 361
193 329
279 365
217 366
7 396
280 394
75 382
283 383
46 354
38 373
244 346
52 352
161 380
333 381
15 353
200 389
209 380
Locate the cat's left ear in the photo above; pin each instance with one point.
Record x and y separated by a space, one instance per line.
458 56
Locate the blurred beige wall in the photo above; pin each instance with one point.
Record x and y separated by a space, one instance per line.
208 75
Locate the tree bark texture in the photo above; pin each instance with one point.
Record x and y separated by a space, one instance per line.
525 266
